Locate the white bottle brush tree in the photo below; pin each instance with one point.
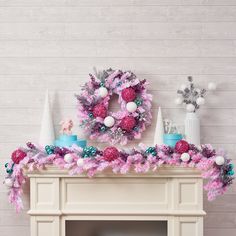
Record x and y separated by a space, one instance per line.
192 96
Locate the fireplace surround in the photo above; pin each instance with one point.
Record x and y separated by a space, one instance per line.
172 194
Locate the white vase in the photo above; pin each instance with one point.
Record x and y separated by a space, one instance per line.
192 128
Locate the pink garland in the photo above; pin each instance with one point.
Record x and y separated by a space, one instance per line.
136 159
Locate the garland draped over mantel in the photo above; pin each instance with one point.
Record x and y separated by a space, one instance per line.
214 165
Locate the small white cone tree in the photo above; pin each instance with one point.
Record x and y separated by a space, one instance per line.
159 132
47 135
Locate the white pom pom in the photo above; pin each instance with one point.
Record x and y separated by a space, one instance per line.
80 162
220 160
109 121
200 101
178 101
212 86
131 106
103 92
190 107
68 158
183 87
8 182
185 157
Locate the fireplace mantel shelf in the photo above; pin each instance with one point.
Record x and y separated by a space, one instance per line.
172 194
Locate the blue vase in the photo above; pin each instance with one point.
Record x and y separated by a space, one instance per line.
172 139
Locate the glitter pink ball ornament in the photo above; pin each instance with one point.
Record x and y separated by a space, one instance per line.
181 146
111 153
128 94
100 111
128 123
17 156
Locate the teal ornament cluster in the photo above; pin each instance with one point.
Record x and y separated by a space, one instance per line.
151 150
49 149
9 170
89 151
231 170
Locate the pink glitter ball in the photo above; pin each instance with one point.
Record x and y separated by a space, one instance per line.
181 146
100 111
128 123
17 156
128 94
111 153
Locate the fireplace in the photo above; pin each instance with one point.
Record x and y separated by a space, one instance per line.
116 228
167 203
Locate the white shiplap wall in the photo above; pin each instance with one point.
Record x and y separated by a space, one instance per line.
55 43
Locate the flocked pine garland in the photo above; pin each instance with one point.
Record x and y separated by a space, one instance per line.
214 165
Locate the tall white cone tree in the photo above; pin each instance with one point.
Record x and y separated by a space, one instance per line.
47 135
159 132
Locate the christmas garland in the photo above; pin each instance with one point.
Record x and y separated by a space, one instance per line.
114 127
214 165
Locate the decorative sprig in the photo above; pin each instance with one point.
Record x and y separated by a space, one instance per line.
192 96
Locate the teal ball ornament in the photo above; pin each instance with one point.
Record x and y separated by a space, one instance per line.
9 171
151 150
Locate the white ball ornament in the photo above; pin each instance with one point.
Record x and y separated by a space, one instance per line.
212 86
220 160
8 182
178 101
200 101
68 158
131 106
103 92
109 121
190 107
80 162
183 87
185 157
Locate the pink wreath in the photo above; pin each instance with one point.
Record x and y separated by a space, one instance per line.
114 127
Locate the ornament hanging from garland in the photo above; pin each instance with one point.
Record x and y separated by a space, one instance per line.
114 127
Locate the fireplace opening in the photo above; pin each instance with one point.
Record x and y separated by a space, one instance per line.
116 228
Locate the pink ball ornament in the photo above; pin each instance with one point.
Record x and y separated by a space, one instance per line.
181 146
17 156
100 111
128 123
128 94
110 153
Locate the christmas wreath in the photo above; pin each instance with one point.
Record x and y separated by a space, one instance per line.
114 127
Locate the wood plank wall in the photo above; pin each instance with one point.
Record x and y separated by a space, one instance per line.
55 43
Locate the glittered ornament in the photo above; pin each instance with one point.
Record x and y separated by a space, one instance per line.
102 92
220 160
111 153
68 158
80 162
131 106
185 157
99 111
200 101
109 121
18 155
8 182
190 107
181 146
128 94
128 123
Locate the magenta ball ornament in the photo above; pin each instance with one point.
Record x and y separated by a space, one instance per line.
99 111
128 123
128 94
111 153
181 146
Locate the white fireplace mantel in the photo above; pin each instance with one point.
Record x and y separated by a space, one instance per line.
171 194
